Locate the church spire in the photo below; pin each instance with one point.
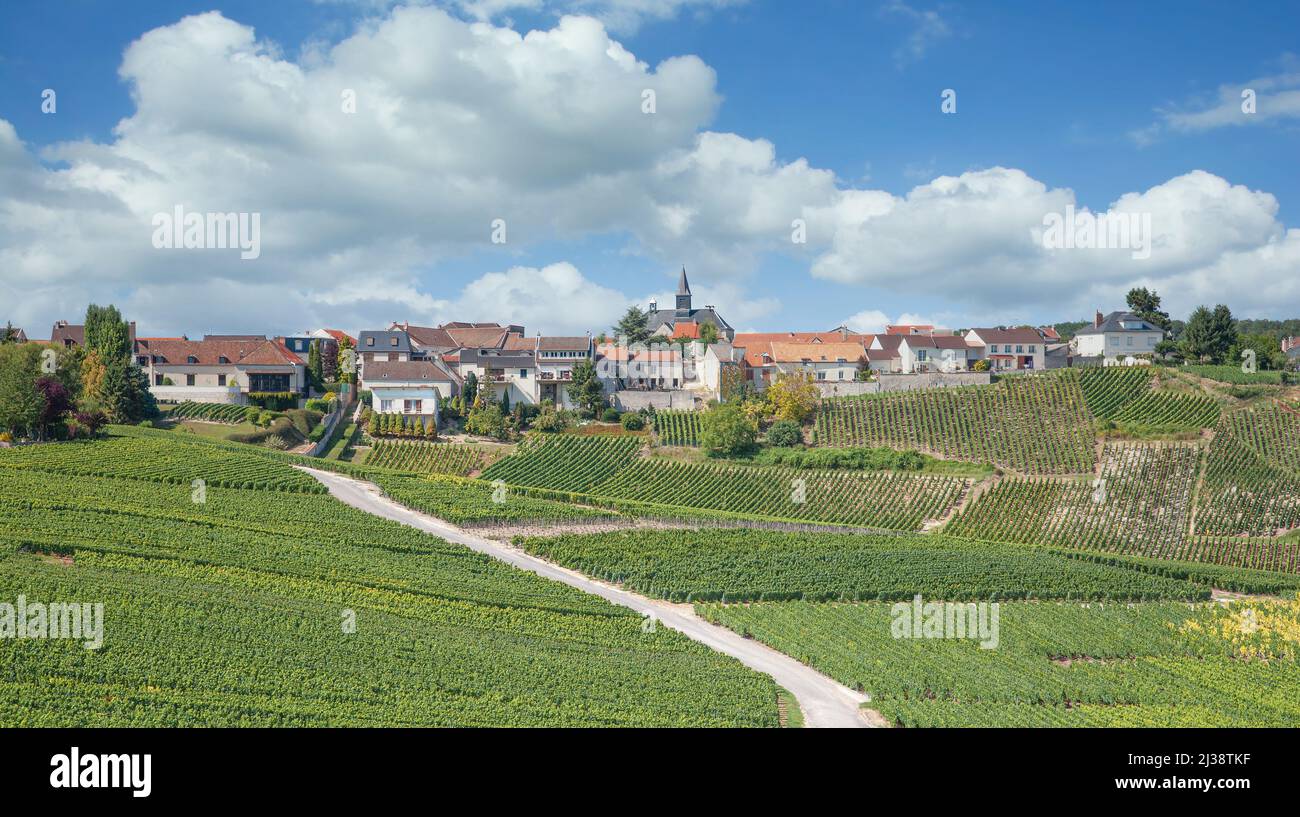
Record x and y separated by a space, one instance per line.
683 288
683 297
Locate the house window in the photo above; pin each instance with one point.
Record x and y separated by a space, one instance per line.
143 360
392 341
821 375
189 380
223 360
221 380
385 406
157 380
921 355
523 374
191 359
1032 349
370 341
1128 340
841 374
412 406
1019 349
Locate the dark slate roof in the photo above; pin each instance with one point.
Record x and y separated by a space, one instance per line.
660 317
496 359
1114 323
402 370
383 341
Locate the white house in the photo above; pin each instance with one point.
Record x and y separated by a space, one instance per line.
1021 349
219 369
934 353
407 387
653 367
824 361
1118 335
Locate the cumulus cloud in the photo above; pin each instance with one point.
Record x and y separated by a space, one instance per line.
460 123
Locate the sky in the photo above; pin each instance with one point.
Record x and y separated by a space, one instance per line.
549 162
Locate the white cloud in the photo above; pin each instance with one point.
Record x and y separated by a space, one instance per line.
928 28
460 123
873 321
622 16
1276 99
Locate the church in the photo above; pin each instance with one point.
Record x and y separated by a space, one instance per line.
685 321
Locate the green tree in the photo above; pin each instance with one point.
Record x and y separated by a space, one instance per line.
1145 303
784 433
726 430
1209 334
469 391
487 421
708 334
106 332
634 325
20 403
315 366
586 390
1268 351
505 401
10 334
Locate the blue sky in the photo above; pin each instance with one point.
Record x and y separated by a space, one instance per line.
1088 102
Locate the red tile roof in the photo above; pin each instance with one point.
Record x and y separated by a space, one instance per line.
1021 335
260 352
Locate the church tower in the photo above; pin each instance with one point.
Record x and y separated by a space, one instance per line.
683 297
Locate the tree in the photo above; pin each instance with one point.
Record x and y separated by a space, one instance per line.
1145 303
1268 354
784 433
106 332
56 402
794 397
708 334
724 430
469 391
487 421
20 403
864 368
345 343
10 334
585 389
1209 335
634 326
505 402
315 367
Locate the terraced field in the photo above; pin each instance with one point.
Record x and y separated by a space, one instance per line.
1243 492
878 499
1108 389
449 459
214 412
566 462
1140 503
286 608
743 566
677 427
1033 424
1055 664
1169 410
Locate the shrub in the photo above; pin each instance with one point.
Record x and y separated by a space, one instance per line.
610 415
633 421
146 424
319 404
784 433
274 400
726 429
251 414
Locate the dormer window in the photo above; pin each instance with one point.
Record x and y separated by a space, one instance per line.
223 359
370 341
191 359
392 341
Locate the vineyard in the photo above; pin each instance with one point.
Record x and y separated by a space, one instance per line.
1140 504
743 566
268 608
677 427
1159 409
471 503
1033 424
429 458
1234 375
1108 389
214 412
1242 492
1056 664
876 499
566 462
160 460
1272 433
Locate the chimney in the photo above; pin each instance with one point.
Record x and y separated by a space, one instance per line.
654 306
1096 321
